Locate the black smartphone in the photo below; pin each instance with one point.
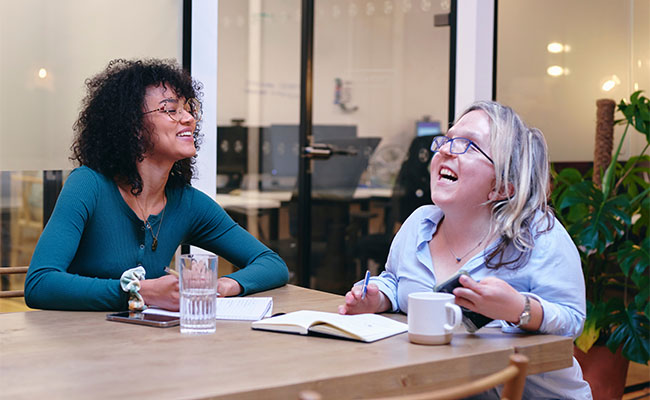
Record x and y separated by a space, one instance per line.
134 317
473 321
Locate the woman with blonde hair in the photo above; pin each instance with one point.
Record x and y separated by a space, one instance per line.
491 221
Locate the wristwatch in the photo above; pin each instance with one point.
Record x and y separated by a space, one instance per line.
524 318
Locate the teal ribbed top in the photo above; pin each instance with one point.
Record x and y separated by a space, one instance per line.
93 236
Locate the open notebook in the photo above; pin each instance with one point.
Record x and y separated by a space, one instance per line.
362 327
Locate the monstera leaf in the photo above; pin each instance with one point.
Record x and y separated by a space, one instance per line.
600 219
633 335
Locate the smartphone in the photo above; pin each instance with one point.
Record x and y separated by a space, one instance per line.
134 317
473 321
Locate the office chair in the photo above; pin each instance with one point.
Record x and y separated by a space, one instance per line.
411 190
513 377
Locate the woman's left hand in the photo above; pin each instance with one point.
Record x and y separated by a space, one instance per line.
492 297
228 287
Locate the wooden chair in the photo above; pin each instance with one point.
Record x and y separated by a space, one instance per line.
8 271
27 219
513 377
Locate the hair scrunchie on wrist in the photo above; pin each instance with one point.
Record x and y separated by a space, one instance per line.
130 283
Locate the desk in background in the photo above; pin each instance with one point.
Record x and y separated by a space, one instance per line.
253 203
340 222
60 354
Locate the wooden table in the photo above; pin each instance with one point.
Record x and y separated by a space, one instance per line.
59 354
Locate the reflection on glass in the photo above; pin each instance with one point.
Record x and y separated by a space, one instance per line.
593 43
555 70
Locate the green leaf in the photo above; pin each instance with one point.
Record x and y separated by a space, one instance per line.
642 299
599 220
634 335
637 113
633 257
588 336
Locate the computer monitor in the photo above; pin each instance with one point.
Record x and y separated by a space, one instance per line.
339 176
279 150
427 128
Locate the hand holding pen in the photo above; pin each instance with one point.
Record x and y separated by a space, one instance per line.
364 298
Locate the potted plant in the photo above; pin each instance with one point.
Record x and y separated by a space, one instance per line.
609 224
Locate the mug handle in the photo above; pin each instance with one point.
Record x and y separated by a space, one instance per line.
456 313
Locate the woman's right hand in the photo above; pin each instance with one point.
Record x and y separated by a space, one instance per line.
375 301
161 292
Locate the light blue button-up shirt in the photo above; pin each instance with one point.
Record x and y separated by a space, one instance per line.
552 275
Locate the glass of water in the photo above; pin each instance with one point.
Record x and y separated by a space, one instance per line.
198 290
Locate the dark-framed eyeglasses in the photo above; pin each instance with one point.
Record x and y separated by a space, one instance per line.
174 109
457 145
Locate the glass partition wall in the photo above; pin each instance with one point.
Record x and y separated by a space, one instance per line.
380 91
47 50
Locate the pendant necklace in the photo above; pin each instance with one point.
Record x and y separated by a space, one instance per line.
459 259
154 244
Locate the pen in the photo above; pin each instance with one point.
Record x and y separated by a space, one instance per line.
171 271
364 289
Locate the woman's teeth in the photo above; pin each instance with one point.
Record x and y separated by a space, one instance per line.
446 173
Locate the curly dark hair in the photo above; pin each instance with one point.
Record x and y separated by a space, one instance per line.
110 134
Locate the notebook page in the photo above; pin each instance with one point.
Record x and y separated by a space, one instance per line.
232 308
368 327
244 308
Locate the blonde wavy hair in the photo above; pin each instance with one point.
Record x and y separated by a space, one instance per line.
521 167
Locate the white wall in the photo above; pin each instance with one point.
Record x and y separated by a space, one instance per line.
204 67
73 40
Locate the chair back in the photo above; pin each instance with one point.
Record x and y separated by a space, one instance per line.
412 187
26 217
8 271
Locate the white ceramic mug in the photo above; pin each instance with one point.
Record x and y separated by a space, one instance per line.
432 317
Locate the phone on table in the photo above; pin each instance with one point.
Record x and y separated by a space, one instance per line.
473 321
135 317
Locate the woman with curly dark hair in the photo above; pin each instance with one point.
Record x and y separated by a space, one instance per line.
122 214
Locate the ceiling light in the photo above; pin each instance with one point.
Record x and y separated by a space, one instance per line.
610 83
555 70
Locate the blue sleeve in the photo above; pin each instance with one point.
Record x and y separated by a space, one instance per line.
559 283
48 284
553 276
387 281
213 230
